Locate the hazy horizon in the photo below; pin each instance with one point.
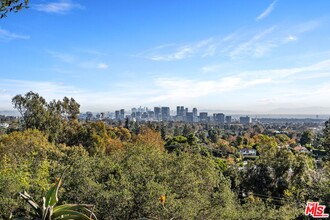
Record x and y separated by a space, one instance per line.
265 57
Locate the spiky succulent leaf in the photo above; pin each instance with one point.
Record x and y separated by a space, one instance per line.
75 207
51 196
70 214
34 205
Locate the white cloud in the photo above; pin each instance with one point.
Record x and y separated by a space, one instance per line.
63 57
238 44
211 68
165 52
254 47
102 66
7 35
291 75
60 7
307 26
178 89
47 89
91 64
76 61
266 12
290 38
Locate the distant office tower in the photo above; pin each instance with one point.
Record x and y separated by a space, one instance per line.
178 111
189 117
122 114
219 118
144 115
228 119
165 112
195 111
151 114
157 113
117 113
203 117
245 120
182 111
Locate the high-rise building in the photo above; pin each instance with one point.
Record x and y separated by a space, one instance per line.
190 117
165 112
182 111
157 113
219 118
178 111
122 114
203 117
228 119
195 111
151 114
245 120
117 115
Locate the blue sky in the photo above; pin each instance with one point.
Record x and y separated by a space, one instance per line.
256 55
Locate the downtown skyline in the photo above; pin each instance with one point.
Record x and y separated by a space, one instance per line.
256 56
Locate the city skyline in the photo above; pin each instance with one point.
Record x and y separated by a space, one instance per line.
257 56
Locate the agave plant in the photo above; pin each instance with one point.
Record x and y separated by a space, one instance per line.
49 210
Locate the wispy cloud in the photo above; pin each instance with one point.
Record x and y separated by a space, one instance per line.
307 26
254 46
8 35
91 64
317 70
211 68
49 90
176 89
241 43
80 61
267 11
102 66
290 38
63 57
171 52
60 7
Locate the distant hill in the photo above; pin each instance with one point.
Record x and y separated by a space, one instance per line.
316 110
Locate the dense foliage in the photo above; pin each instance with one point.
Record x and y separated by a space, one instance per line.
157 170
7 6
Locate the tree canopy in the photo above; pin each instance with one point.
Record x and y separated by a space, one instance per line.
7 6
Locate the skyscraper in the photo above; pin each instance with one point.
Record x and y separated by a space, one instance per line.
122 114
195 111
182 111
157 113
165 112
245 120
117 113
219 118
228 119
203 116
178 111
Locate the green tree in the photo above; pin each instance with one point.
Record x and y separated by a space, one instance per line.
306 138
47 117
326 140
7 6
